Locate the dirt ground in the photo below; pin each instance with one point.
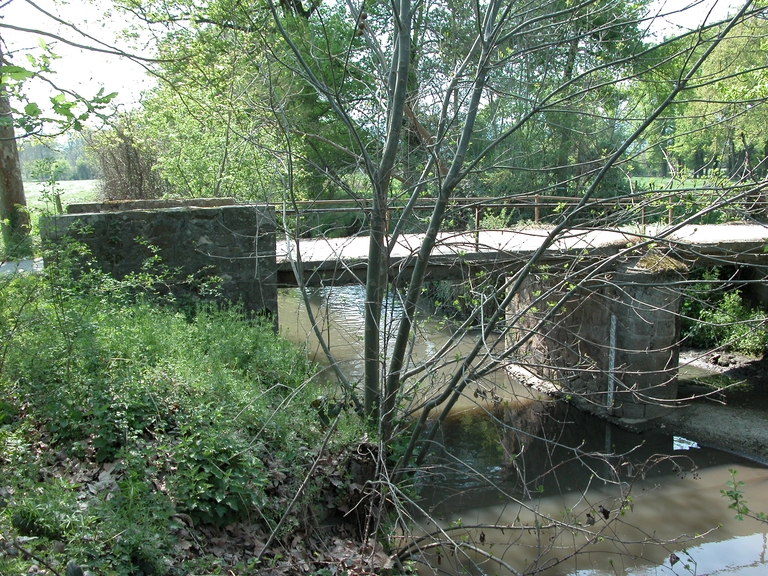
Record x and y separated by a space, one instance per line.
734 420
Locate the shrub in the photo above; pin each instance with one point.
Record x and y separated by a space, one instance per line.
729 323
117 414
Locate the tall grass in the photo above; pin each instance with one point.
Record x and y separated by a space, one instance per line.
71 191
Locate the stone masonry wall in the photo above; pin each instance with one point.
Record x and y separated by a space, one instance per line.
235 243
647 309
573 348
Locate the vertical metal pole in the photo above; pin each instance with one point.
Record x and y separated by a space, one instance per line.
477 228
611 362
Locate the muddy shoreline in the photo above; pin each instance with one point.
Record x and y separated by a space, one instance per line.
733 420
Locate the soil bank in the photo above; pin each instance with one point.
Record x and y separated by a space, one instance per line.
735 419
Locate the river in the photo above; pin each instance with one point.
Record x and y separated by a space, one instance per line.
535 455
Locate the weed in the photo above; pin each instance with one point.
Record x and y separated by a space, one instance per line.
733 325
735 494
118 414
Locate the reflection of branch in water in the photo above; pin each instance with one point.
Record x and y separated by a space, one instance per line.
577 533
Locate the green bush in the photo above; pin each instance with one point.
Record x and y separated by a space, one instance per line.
724 320
736 326
116 415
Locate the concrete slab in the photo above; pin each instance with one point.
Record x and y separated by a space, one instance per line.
693 244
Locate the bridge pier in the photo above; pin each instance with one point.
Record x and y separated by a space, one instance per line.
613 347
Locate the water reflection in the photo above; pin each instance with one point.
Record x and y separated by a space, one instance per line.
541 447
339 315
498 471
499 460
738 391
743 555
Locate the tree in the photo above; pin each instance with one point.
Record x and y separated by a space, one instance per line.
126 162
404 102
496 26
23 115
431 74
505 42
218 84
13 215
68 110
725 119
208 91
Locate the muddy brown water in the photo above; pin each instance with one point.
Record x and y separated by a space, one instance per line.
498 464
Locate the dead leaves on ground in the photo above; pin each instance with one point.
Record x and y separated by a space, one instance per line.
325 533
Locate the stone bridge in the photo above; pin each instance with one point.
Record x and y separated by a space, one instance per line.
607 335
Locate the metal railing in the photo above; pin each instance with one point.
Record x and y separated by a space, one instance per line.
640 206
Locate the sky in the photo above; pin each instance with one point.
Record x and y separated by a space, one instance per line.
700 11
86 72
79 70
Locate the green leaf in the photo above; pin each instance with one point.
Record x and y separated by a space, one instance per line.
16 73
32 109
102 98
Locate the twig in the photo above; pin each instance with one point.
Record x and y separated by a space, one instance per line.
35 558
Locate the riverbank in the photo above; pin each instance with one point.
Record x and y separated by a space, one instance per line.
135 438
733 420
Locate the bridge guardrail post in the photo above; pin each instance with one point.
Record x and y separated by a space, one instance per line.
670 210
478 212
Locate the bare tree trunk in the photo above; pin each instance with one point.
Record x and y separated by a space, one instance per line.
394 376
13 213
376 281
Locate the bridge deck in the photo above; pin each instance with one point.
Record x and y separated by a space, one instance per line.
344 260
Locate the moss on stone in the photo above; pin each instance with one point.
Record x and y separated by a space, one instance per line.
656 262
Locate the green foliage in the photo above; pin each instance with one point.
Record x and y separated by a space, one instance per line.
721 131
223 121
700 200
49 172
735 494
64 111
68 157
116 415
497 220
219 476
722 318
736 325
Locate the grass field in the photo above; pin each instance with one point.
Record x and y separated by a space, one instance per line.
659 183
40 196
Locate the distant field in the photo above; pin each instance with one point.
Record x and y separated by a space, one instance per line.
71 191
658 183
39 200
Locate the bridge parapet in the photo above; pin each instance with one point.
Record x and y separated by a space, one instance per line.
233 243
